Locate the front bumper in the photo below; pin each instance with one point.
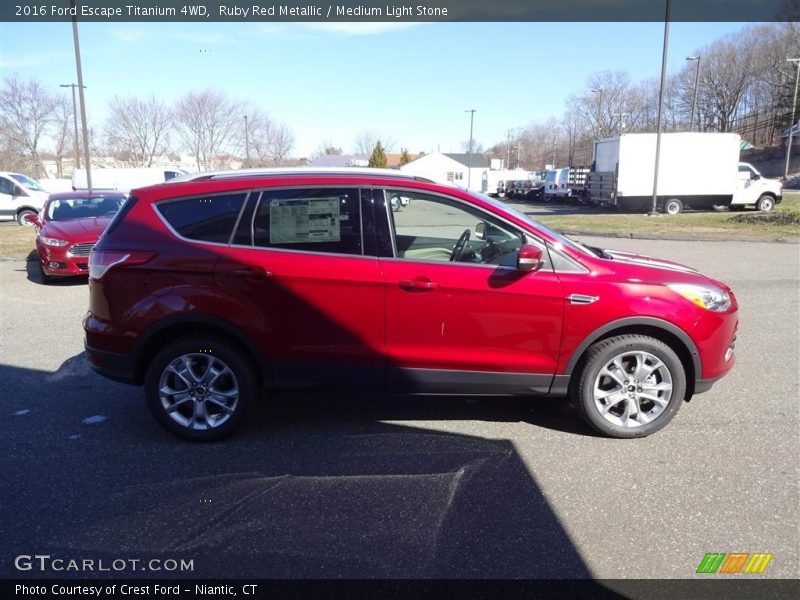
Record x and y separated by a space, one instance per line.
58 262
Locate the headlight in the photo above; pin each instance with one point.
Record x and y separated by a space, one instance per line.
707 297
48 241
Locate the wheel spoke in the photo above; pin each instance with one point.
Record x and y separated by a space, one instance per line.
618 377
657 399
179 375
611 400
221 404
185 397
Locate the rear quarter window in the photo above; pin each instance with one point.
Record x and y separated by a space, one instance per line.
206 219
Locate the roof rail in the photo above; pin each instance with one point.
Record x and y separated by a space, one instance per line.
282 171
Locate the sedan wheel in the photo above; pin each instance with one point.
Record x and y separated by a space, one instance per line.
630 386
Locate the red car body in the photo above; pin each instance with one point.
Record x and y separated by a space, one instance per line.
64 238
379 320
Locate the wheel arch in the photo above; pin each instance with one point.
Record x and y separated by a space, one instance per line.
182 326
671 335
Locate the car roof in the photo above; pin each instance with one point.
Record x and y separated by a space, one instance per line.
298 171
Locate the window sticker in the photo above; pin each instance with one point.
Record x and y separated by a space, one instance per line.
297 221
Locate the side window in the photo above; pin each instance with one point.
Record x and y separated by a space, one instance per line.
434 228
315 220
6 187
207 219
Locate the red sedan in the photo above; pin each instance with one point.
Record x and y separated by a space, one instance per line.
68 227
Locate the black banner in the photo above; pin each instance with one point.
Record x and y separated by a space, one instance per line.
732 588
391 10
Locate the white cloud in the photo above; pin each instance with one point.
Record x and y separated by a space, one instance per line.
33 59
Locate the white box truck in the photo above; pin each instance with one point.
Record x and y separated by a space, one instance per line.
124 179
697 170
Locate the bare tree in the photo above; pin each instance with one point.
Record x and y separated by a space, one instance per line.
365 142
327 148
477 147
208 123
63 143
281 142
26 111
137 131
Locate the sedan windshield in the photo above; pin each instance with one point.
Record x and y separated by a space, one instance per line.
81 208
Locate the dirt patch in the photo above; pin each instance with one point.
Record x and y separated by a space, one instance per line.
772 218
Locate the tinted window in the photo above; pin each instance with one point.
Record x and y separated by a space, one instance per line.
6 187
209 219
316 220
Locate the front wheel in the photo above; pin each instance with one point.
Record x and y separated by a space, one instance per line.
766 203
23 215
200 389
630 386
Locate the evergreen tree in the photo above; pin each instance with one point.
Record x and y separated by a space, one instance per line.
378 158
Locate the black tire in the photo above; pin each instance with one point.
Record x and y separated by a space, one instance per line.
46 279
598 357
673 206
765 203
203 353
21 217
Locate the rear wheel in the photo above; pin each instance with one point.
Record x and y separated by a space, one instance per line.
630 386
200 389
673 206
766 203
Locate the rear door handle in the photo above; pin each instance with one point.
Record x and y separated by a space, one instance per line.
253 273
418 284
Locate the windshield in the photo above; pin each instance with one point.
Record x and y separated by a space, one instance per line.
81 208
561 238
29 183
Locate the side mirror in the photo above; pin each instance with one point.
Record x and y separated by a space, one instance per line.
17 191
756 176
480 231
529 258
32 219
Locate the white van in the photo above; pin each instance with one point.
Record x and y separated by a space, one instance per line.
551 182
124 179
20 196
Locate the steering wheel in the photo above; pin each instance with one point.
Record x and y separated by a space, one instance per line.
461 245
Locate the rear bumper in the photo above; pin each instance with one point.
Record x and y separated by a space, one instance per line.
111 365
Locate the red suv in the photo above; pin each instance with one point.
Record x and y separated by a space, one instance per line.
210 290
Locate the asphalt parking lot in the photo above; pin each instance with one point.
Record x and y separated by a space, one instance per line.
404 487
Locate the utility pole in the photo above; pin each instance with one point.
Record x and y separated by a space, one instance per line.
508 149
654 207
471 112
599 92
76 143
792 124
696 87
81 87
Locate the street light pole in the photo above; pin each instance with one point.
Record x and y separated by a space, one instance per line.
599 92
76 143
471 112
653 208
792 124
696 87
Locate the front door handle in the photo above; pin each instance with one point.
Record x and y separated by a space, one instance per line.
253 273
418 284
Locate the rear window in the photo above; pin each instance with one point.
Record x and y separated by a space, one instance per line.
206 219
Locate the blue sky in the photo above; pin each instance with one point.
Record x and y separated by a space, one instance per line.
411 82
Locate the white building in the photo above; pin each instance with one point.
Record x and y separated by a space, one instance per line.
450 168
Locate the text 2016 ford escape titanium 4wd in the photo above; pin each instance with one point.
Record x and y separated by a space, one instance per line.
209 290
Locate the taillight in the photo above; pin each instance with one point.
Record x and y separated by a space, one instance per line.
101 261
